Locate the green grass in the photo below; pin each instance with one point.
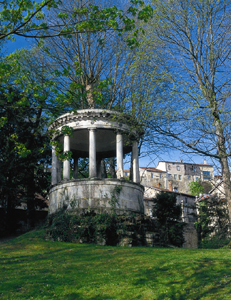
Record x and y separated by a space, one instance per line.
31 268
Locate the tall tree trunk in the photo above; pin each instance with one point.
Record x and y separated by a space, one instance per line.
221 151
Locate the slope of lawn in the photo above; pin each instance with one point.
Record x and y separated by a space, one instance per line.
31 268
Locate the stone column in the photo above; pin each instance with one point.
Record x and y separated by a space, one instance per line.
92 153
59 170
119 155
66 163
54 177
76 167
135 162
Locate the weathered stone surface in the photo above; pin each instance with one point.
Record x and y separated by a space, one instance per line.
190 236
101 195
106 122
127 241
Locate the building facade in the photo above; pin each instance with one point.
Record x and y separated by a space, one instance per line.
176 176
188 207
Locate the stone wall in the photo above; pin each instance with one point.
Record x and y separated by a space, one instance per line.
101 195
190 236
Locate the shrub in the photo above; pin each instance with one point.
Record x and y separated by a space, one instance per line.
168 221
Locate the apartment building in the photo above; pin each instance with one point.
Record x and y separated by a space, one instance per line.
176 176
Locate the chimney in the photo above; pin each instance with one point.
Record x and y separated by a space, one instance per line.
205 162
181 160
170 186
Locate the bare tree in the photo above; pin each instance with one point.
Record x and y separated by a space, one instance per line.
91 66
192 112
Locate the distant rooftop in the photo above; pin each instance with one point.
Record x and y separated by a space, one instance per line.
167 190
151 169
184 163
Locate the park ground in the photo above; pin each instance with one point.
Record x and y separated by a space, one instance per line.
32 268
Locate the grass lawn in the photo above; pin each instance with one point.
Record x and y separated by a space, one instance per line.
31 268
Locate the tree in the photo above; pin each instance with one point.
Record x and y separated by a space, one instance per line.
196 188
25 18
213 222
19 17
168 221
23 156
192 111
25 102
92 65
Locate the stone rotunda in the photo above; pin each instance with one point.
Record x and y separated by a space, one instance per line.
96 134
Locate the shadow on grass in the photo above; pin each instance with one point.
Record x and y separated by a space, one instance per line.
203 279
88 272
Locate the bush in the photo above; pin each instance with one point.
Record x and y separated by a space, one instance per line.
86 227
103 228
213 223
168 221
214 243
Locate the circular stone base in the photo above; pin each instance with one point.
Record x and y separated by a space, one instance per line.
97 194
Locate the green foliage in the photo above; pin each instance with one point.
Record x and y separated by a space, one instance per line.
214 242
85 227
26 18
19 17
99 228
24 154
168 221
25 150
196 188
213 223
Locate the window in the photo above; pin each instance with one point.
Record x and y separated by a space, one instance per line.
169 175
197 178
160 175
160 185
206 175
189 177
175 189
186 200
175 176
169 167
125 174
180 177
178 168
151 175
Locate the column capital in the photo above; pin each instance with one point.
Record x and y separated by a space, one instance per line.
92 129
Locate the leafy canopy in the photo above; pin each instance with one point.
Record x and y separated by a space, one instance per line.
196 188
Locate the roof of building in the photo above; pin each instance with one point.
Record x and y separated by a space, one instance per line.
167 190
151 169
209 196
184 163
